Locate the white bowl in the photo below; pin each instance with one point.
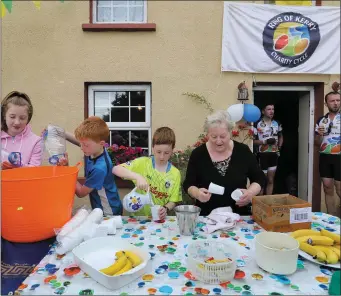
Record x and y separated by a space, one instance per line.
276 252
97 253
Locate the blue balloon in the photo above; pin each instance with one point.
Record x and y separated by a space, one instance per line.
251 113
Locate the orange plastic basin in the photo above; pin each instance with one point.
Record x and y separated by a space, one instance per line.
35 201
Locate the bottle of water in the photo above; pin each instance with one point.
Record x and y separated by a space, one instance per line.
54 144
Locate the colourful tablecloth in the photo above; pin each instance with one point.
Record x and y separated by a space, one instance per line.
169 274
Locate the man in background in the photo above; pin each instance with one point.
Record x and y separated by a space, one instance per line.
328 138
268 137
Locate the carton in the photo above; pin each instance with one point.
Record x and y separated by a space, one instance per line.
281 213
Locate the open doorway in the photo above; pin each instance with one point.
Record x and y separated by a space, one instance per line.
294 111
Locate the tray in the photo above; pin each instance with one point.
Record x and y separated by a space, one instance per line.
97 253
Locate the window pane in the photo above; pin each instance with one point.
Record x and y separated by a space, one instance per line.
138 114
103 113
103 14
120 14
136 14
120 138
120 98
139 138
137 98
120 3
119 114
101 98
103 3
136 2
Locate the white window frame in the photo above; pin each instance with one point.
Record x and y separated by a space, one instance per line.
124 125
94 15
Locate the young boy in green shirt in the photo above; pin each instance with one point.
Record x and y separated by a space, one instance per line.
155 173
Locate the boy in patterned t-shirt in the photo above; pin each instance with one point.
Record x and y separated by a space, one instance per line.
155 173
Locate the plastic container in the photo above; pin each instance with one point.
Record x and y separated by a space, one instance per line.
97 253
199 252
35 201
276 252
54 144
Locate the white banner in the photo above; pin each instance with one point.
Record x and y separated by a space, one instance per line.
263 38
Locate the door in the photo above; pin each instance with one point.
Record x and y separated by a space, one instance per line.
303 145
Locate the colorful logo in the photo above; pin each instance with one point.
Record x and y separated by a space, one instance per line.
290 39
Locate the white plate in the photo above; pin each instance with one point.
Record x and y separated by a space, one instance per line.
310 258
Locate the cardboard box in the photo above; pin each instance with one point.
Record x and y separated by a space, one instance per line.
281 213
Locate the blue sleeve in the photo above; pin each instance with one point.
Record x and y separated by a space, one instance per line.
95 179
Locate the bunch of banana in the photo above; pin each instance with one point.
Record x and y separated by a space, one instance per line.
322 245
126 260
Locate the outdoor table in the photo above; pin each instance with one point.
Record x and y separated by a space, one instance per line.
169 275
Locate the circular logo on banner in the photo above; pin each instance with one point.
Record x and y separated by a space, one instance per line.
290 39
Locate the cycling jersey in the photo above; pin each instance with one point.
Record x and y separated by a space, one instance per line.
263 131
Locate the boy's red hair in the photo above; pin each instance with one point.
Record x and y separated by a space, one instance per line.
93 128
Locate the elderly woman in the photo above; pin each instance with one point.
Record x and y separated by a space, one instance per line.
226 163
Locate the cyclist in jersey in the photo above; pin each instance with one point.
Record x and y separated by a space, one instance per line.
155 173
269 139
327 137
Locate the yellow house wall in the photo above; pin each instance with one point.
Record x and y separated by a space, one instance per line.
47 55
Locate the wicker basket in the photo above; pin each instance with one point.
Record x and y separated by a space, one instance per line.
199 254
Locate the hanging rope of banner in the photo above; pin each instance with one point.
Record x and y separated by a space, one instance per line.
6 6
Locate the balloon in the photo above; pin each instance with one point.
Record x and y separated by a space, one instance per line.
251 113
236 112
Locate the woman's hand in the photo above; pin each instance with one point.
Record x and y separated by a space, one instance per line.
6 165
162 213
246 198
141 183
203 195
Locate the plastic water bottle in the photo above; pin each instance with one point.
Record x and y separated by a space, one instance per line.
54 144
13 158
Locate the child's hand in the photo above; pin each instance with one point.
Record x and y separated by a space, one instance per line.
162 213
63 161
43 132
141 183
6 165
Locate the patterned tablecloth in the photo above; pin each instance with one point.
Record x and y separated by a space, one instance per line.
169 274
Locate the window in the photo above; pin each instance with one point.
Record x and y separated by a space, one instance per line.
114 11
126 109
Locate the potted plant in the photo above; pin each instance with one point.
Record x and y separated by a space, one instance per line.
122 154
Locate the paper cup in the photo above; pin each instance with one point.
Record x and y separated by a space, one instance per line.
155 212
236 194
216 189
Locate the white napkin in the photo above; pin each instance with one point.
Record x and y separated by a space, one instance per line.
220 219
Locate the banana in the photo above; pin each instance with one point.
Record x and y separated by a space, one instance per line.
337 247
119 254
135 259
336 251
333 236
319 255
118 265
316 240
304 232
331 256
125 268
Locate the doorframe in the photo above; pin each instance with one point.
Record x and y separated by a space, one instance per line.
312 119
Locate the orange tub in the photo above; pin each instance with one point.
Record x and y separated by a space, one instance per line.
35 201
